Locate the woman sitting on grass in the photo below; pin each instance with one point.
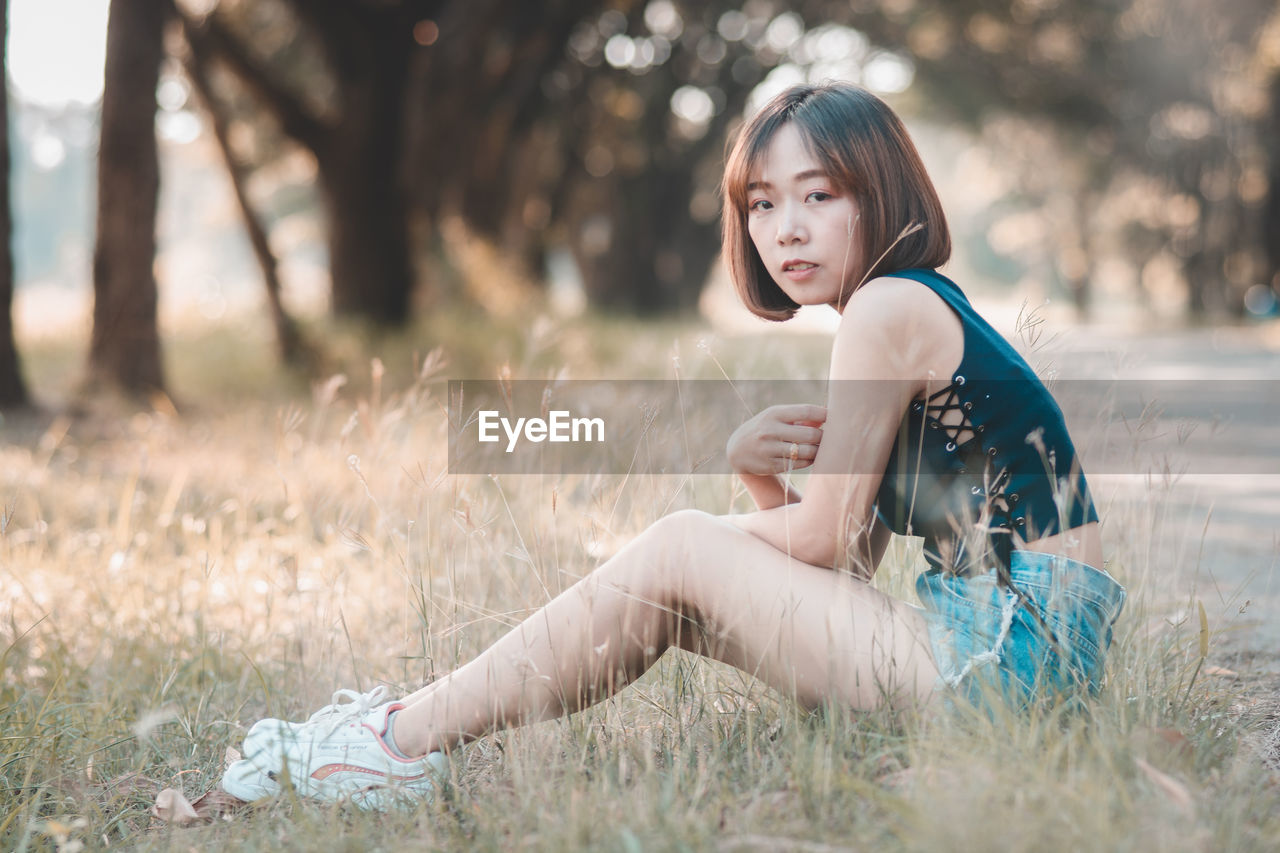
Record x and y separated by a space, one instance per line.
933 426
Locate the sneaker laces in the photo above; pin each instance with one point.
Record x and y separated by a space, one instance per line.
338 713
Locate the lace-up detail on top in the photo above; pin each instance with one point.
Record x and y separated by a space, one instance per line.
947 412
938 414
984 457
337 714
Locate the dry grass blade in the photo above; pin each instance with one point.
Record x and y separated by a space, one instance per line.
1177 792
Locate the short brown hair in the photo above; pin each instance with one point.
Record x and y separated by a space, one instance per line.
864 148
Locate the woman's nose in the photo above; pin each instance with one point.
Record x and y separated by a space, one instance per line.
790 226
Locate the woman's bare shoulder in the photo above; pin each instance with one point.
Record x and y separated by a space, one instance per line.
899 306
914 326
893 298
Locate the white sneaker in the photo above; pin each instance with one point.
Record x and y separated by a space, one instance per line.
266 732
243 780
247 781
343 757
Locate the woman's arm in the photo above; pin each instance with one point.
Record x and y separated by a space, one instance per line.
876 369
770 490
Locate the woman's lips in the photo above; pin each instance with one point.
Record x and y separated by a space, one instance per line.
798 270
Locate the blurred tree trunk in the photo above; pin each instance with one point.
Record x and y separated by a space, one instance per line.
504 153
359 168
358 151
642 252
13 392
646 237
455 83
125 348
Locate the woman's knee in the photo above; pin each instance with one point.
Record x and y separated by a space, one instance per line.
676 549
685 532
685 520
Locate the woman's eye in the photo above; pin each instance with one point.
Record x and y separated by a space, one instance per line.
759 205
819 195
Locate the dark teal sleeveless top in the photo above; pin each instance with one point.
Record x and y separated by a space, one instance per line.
1007 463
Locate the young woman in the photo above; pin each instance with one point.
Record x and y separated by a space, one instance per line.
933 426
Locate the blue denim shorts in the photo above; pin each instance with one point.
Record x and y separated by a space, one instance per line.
1046 638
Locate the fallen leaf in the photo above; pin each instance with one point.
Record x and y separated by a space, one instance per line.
1171 787
172 807
1220 671
1163 743
1173 737
217 803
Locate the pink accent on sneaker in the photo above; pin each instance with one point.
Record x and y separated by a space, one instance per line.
328 770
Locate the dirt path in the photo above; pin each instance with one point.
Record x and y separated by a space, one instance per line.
1215 529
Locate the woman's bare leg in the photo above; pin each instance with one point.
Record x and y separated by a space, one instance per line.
698 582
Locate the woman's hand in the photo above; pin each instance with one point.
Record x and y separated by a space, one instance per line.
780 438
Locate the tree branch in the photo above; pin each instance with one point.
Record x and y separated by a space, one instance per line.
536 59
333 22
293 349
213 38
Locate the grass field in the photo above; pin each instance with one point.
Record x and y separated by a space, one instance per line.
167 579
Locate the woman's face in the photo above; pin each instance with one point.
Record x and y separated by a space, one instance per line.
802 223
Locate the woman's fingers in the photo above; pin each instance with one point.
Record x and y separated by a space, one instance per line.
778 439
801 413
800 434
793 454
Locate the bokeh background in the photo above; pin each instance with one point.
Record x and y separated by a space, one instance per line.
390 159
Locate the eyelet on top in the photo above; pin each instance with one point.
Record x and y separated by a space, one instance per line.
991 451
951 446
1013 498
976 490
933 424
917 406
959 380
1021 522
968 407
